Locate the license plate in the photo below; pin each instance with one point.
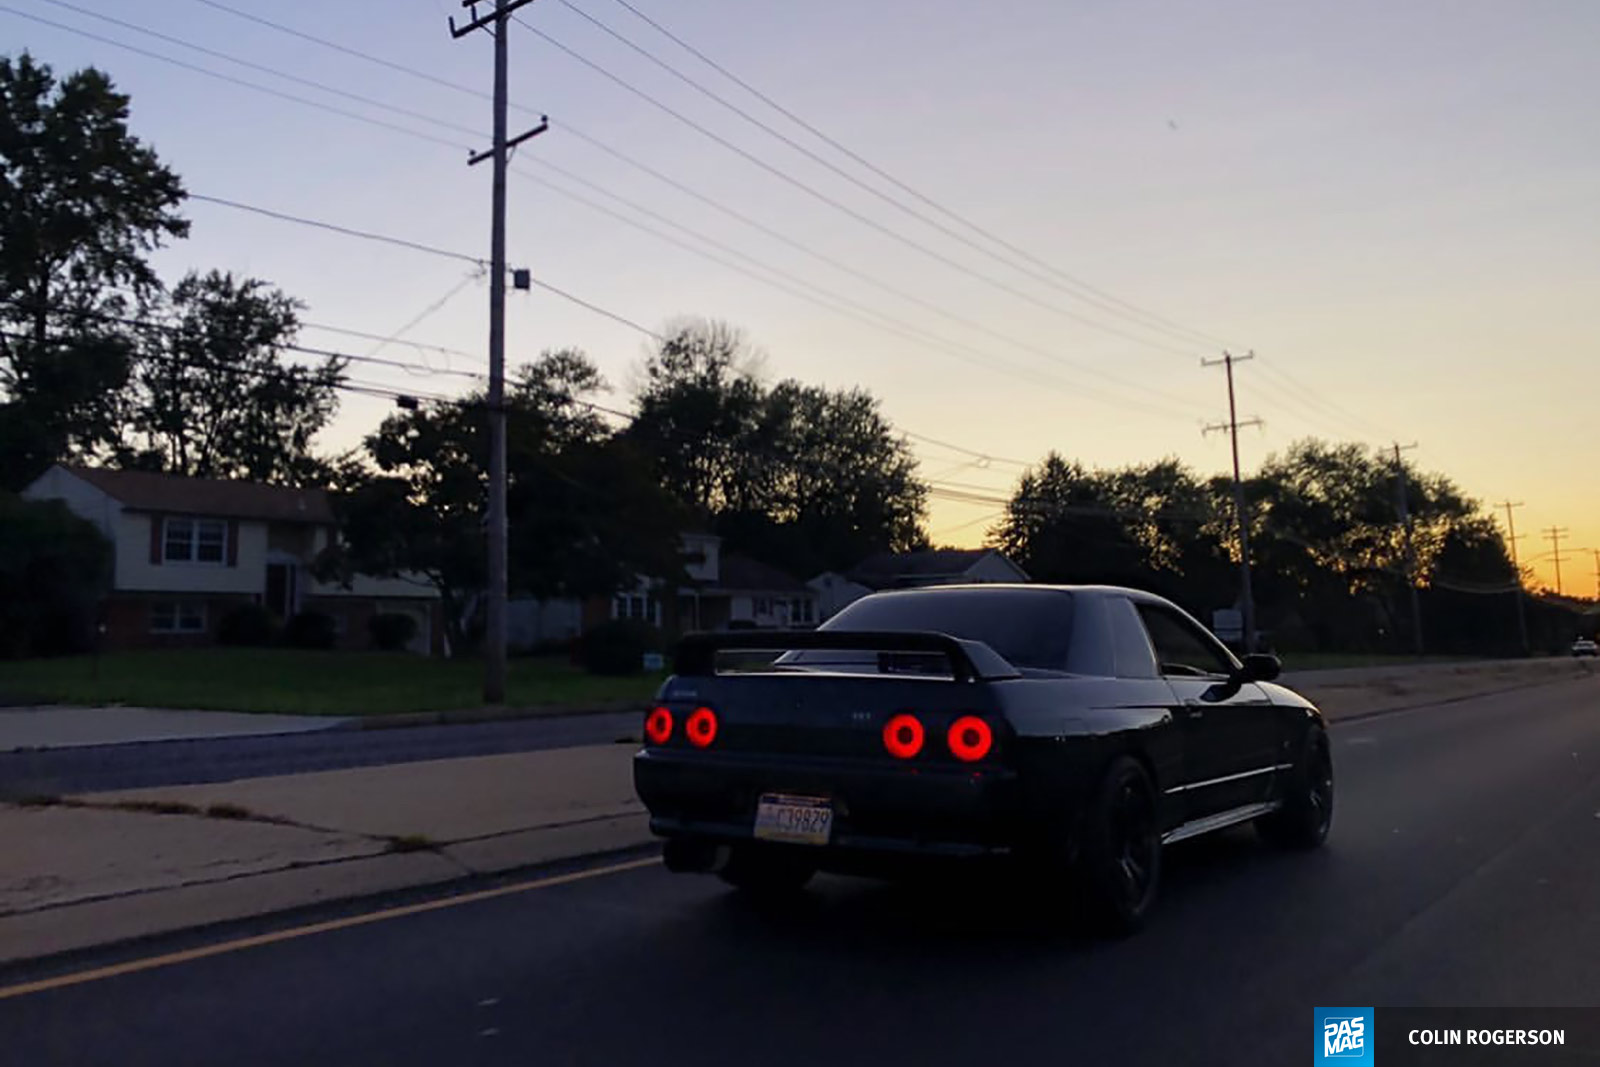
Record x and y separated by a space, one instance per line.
797 820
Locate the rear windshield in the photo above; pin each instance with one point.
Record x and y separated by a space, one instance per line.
1029 627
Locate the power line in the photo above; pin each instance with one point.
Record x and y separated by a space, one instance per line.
235 59
944 312
257 86
821 161
1295 403
1313 398
419 247
356 53
343 384
367 335
422 315
927 305
896 182
366 235
851 308
965 451
843 208
308 350
1307 398
274 71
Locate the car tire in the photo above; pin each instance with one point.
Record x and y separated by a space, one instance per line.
1119 865
1307 812
763 874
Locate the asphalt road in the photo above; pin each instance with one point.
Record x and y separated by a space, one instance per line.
153 763
1463 869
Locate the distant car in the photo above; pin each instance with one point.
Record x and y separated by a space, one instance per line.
1074 730
1584 647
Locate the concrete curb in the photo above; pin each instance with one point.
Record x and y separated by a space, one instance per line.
464 716
1377 713
33 938
20 969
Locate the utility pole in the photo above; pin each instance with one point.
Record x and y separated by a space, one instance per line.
1511 539
1596 552
1403 487
1246 596
498 23
1555 534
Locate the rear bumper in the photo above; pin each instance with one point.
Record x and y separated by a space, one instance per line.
881 811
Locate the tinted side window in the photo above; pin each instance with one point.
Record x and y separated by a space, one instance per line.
1181 647
1135 659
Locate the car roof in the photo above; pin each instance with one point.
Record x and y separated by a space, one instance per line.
1028 587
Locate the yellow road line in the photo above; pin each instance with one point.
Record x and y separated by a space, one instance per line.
152 962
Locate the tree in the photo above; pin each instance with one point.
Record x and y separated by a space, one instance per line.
585 513
1330 541
798 476
54 567
215 396
82 203
1063 524
697 410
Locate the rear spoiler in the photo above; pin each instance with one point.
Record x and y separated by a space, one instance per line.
970 661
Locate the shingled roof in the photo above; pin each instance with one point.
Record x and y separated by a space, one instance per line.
888 570
176 494
752 576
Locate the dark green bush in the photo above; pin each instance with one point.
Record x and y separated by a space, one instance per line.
246 625
54 568
310 629
392 632
618 646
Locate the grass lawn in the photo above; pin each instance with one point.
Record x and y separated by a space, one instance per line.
316 683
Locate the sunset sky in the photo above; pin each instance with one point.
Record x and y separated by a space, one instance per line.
1392 205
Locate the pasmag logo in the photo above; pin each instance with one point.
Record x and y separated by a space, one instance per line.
1344 1037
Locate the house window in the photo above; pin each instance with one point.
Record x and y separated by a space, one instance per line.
195 541
801 611
178 617
636 606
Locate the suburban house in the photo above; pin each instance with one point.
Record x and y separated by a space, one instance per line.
906 570
724 591
188 550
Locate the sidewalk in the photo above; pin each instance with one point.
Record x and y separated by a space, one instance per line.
103 867
1348 692
56 726
106 867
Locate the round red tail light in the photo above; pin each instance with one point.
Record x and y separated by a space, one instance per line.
903 736
970 738
701 727
658 726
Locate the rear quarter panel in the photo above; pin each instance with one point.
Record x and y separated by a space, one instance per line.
1068 728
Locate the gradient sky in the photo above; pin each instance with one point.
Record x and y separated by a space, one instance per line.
1392 205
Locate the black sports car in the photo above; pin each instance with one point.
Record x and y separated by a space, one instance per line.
1073 729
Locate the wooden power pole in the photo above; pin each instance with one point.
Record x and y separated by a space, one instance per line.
1241 513
497 22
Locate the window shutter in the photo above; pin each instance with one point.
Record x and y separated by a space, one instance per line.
233 542
155 538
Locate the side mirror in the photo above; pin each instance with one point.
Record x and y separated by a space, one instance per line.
1260 667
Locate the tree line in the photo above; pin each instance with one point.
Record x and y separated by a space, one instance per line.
102 361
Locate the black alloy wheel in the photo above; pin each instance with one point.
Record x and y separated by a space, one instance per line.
1121 858
1307 812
